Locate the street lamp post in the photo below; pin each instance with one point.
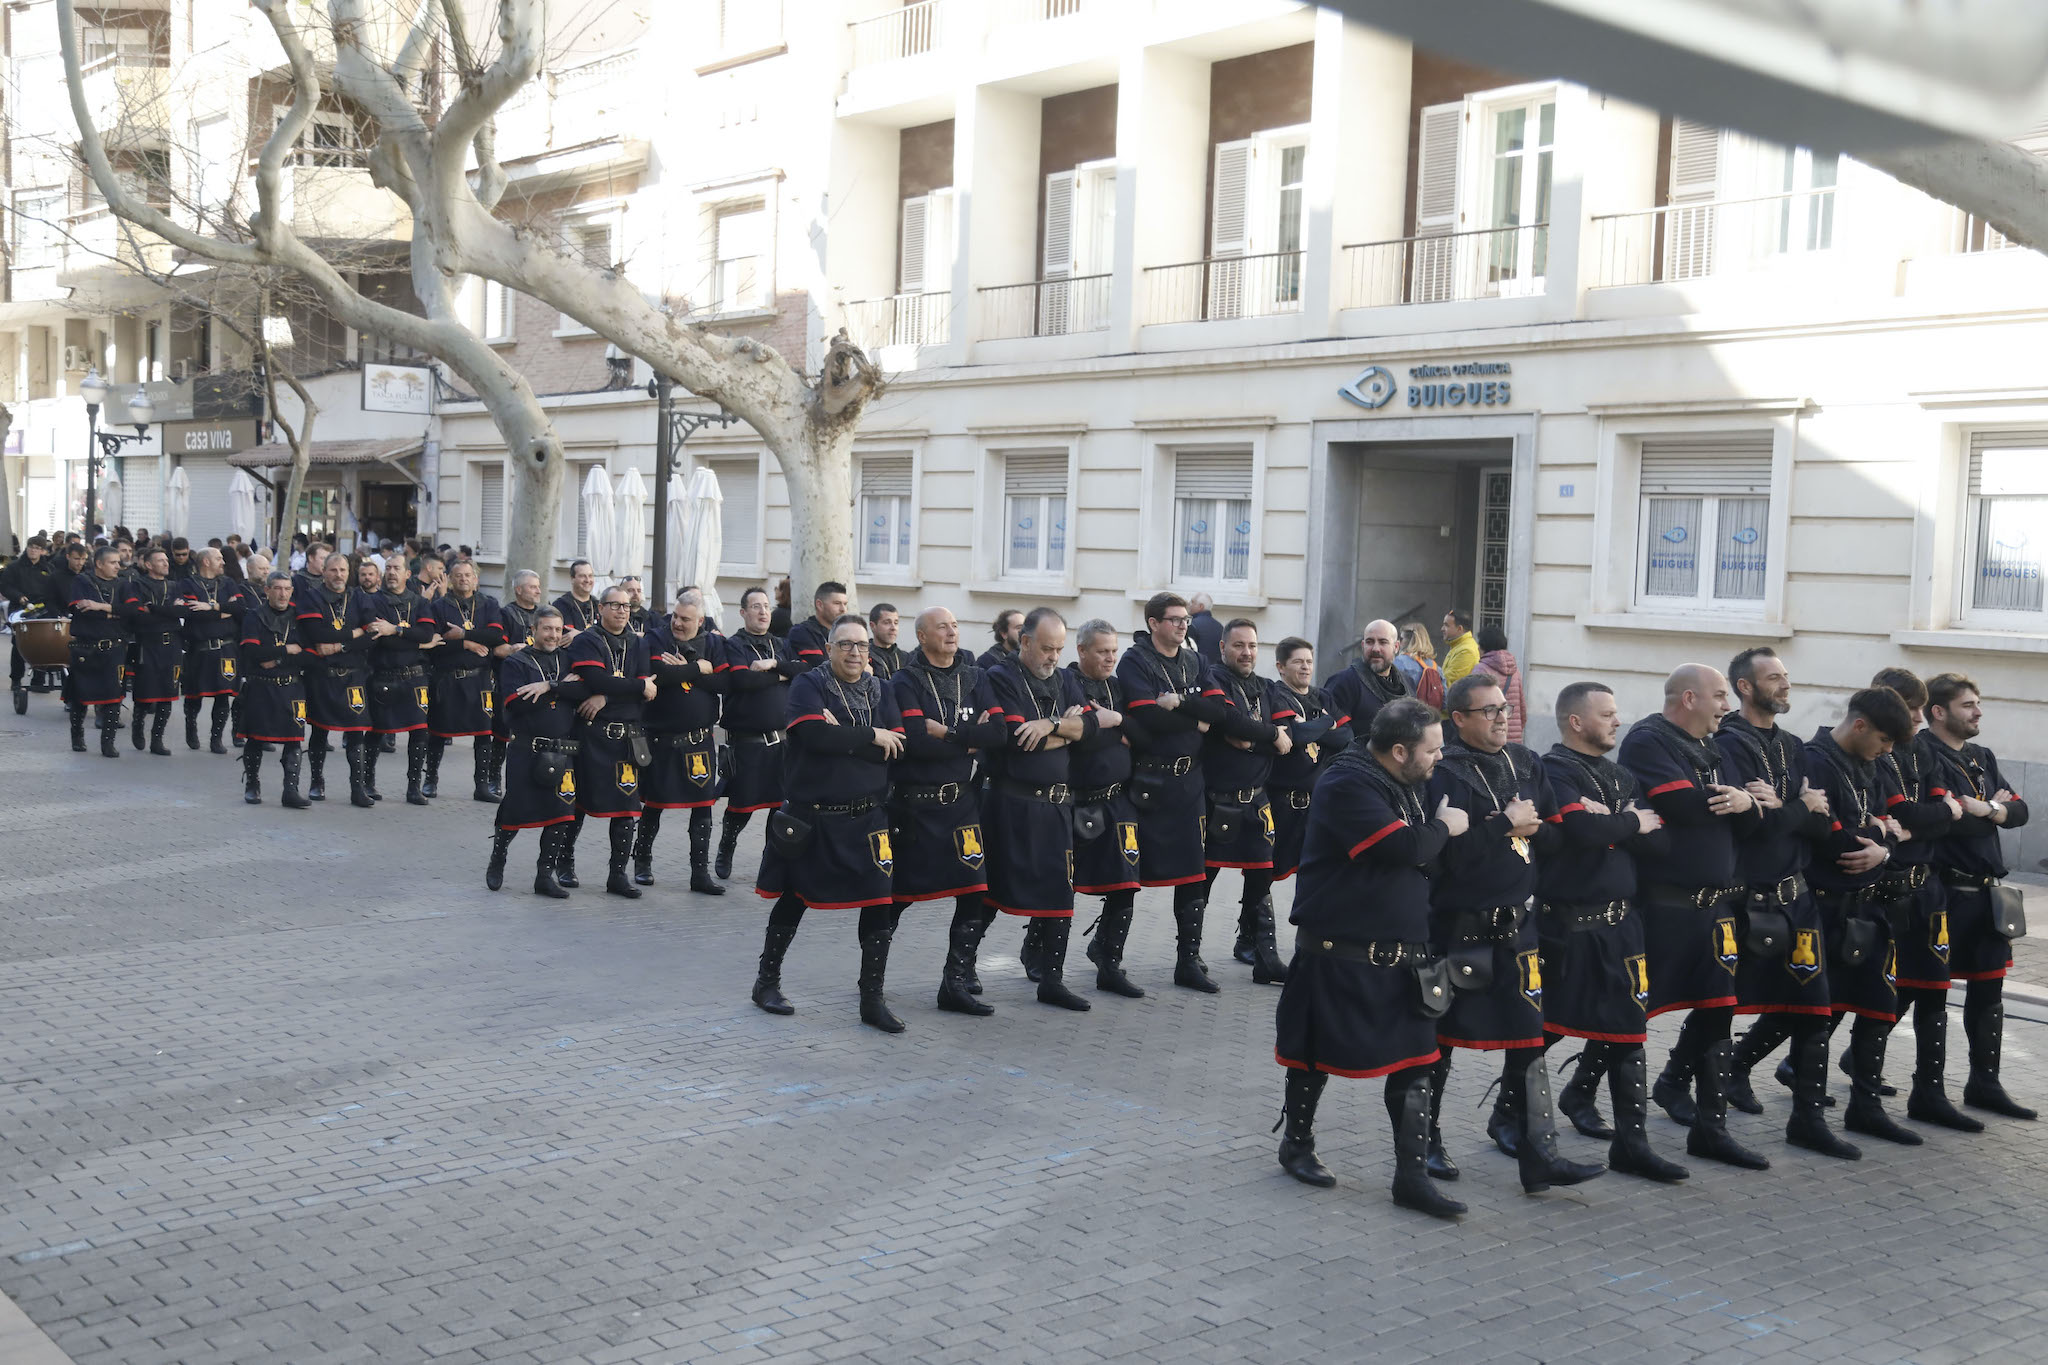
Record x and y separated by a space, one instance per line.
101 446
672 429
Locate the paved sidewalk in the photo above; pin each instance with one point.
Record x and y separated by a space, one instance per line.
294 1087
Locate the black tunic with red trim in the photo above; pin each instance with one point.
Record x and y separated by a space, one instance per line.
272 702
156 619
615 667
1360 693
99 642
1101 769
1030 837
1922 922
935 809
337 685
534 795
213 628
809 643
515 623
398 669
1167 784
850 858
577 617
1320 730
1596 978
1488 870
1367 859
462 695
1237 777
681 720
1776 848
1856 803
1693 950
1971 853
756 707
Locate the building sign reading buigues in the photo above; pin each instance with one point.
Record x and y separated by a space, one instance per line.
1463 384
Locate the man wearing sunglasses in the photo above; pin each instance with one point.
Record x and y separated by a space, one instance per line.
1479 919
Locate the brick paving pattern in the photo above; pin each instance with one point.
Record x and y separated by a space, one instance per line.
288 1086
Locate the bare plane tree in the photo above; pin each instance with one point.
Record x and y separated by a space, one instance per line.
422 154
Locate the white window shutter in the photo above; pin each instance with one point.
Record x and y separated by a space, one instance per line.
490 525
1436 169
916 212
1230 215
739 488
1059 225
1032 475
1213 474
1696 156
1711 463
885 476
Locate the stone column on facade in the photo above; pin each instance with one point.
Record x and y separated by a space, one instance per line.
1162 153
1357 157
995 199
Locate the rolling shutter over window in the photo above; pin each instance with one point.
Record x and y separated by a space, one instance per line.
1213 474
885 476
739 484
1032 475
2017 465
1719 463
490 523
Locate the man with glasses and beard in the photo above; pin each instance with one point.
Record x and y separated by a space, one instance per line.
1479 918
1321 730
1362 689
1596 977
680 730
829 846
541 695
758 668
398 678
1364 990
612 663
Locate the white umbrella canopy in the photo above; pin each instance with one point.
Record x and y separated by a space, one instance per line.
178 503
697 539
599 520
110 501
675 507
242 507
632 537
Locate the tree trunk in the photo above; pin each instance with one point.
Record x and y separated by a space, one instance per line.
819 476
7 531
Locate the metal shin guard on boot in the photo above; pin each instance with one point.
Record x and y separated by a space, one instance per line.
1052 985
1578 1099
1865 1111
1298 1119
288 759
353 752
1709 1137
1808 1127
1408 1108
701 880
1536 1156
1928 1101
874 970
1628 1082
643 847
1984 1025
963 941
552 837
1188 968
1106 949
501 846
252 768
616 881
416 768
768 979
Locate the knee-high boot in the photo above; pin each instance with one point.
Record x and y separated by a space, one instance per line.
372 747
1188 968
316 764
782 923
252 768
1031 955
501 846
552 837
138 718
617 882
701 880
643 846
288 759
1052 986
1757 1042
1540 1164
1106 949
963 941
1439 1163
1984 1027
218 724
1709 1136
110 731
565 864
352 753
1928 1100
417 746
436 746
1267 967
192 705
1629 1153
1577 1100
1865 1111
480 769
728 842
1298 1120
77 714
1808 1127
1408 1098
159 722
494 772
874 969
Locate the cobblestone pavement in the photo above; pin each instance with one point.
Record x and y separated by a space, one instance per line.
294 1087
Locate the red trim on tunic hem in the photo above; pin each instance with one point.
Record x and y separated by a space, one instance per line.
1487 1044
155 701
1719 1002
977 889
1903 984
1867 1014
1174 881
1998 975
608 814
1591 1036
1104 890
222 692
540 824
731 809
679 805
457 734
1252 867
1822 1010
1033 914
823 905
270 739
1434 1055
402 730
340 729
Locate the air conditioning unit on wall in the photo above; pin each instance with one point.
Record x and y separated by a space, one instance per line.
77 358
181 370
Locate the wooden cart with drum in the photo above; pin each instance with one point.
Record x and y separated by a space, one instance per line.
45 645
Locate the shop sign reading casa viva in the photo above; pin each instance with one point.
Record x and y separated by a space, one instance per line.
1463 384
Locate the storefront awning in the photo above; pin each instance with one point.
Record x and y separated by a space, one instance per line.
277 454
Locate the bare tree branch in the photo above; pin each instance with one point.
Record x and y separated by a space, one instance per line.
1996 181
490 184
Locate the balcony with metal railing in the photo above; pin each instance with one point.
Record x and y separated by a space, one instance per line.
1681 242
913 30
1486 263
1223 288
901 320
98 247
1045 308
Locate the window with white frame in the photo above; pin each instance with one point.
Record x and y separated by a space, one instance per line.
885 512
579 475
2007 540
1736 202
1704 537
486 306
1483 167
330 138
1255 211
213 165
490 509
37 233
739 273
739 520
593 242
925 255
1212 517
1080 249
1035 510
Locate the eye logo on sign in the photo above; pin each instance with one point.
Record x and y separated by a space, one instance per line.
1373 388
1676 535
1200 526
1746 536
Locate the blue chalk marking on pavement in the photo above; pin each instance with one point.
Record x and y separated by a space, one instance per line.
48 1253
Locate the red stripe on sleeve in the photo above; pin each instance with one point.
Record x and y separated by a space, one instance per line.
1893 802
1375 837
801 719
1670 787
1344 722
1835 827
1565 810
910 713
1285 715
1143 701
1939 791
